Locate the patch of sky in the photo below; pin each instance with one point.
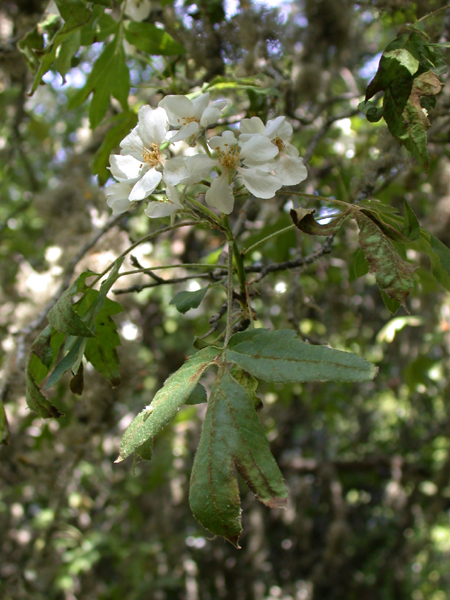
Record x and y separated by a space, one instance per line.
326 214
370 67
75 78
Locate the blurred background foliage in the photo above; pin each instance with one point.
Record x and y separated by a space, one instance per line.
367 466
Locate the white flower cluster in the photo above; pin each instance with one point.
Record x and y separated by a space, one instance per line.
261 157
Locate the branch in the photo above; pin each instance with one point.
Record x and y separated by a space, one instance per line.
159 281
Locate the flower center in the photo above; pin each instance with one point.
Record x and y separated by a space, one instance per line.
187 120
152 156
278 143
230 157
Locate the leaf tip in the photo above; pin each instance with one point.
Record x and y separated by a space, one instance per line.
119 459
277 502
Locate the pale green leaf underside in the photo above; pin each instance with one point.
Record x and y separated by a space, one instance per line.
279 357
232 441
167 401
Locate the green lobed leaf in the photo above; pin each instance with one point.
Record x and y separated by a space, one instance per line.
121 126
66 53
232 441
184 301
101 350
152 40
393 274
167 401
64 318
41 357
408 74
109 77
76 15
279 357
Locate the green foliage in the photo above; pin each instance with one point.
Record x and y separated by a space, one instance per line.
177 389
88 329
185 301
109 77
232 442
279 357
151 40
408 74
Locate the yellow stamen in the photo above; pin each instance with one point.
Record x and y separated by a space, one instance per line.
152 156
278 143
230 158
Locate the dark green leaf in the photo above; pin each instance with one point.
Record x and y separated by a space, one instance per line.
370 111
360 266
67 51
63 317
411 227
76 15
4 427
35 399
71 360
278 356
76 384
198 396
151 40
391 304
393 274
109 77
184 301
407 73
167 401
101 350
232 441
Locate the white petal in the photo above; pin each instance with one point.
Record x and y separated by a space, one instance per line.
174 195
152 126
125 168
258 149
156 210
220 194
177 108
132 144
199 167
117 195
284 131
185 132
274 126
290 150
145 186
175 170
138 10
290 169
224 141
211 115
200 104
260 184
252 126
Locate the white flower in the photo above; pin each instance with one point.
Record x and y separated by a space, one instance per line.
117 195
249 160
138 10
191 116
141 161
166 206
288 167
